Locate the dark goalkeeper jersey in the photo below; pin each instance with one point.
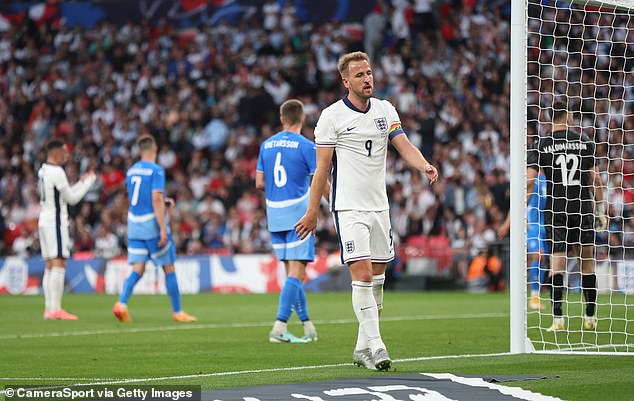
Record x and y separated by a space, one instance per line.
567 159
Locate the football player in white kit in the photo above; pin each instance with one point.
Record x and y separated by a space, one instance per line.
55 196
352 136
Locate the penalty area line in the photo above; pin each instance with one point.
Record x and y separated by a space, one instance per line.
270 370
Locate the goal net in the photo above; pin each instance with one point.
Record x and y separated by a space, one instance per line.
582 53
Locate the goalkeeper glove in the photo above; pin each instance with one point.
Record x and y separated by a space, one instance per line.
600 217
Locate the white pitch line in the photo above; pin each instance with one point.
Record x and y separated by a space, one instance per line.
56 378
255 371
585 353
516 392
242 325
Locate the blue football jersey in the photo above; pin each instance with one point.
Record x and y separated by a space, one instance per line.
287 160
535 209
143 178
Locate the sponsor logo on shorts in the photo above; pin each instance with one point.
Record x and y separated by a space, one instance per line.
349 246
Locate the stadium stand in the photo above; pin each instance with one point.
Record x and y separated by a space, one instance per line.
210 96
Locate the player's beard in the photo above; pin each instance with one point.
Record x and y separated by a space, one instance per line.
364 95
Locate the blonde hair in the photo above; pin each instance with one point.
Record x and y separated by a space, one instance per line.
342 65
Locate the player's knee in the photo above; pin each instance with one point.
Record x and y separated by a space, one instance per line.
558 262
360 272
58 263
378 268
299 274
139 268
297 269
169 268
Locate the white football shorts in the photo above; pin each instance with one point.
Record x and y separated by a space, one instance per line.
54 241
364 235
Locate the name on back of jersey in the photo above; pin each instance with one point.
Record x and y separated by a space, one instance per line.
557 147
140 171
281 143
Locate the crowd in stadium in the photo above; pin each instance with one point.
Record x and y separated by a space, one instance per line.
210 96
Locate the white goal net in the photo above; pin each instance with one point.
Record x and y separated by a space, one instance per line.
582 53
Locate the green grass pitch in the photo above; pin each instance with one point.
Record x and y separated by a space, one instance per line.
232 336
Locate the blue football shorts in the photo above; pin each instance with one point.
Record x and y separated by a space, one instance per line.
140 251
288 246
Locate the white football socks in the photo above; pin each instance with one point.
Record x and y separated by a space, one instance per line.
309 327
362 340
279 327
56 285
46 287
365 308
377 290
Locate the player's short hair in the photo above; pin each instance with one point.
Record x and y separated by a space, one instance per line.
560 111
145 142
293 111
342 65
54 144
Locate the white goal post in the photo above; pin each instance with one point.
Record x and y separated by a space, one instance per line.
581 51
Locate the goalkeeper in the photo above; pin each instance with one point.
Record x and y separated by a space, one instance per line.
574 207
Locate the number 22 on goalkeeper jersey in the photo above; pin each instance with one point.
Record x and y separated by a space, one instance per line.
288 161
142 179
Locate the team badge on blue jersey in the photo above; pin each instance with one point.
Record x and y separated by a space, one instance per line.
349 246
381 124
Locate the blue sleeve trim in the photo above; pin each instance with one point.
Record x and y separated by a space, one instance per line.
396 133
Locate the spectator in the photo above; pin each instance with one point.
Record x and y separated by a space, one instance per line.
485 272
374 25
216 131
211 101
106 243
23 245
83 240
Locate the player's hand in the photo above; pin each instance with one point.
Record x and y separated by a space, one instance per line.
170 202
600 217
431 173
306 225
162 239
87 175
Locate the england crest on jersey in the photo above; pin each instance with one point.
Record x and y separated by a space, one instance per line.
381 124
349 246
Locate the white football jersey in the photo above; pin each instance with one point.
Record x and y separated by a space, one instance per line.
56 194
360 139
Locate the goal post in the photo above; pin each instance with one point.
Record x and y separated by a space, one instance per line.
517 210
581 51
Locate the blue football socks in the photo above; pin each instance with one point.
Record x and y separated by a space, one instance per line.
534 276
171 284
288 297
128 287
300 304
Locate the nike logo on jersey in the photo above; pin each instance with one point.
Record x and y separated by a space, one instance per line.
350 129
368 307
